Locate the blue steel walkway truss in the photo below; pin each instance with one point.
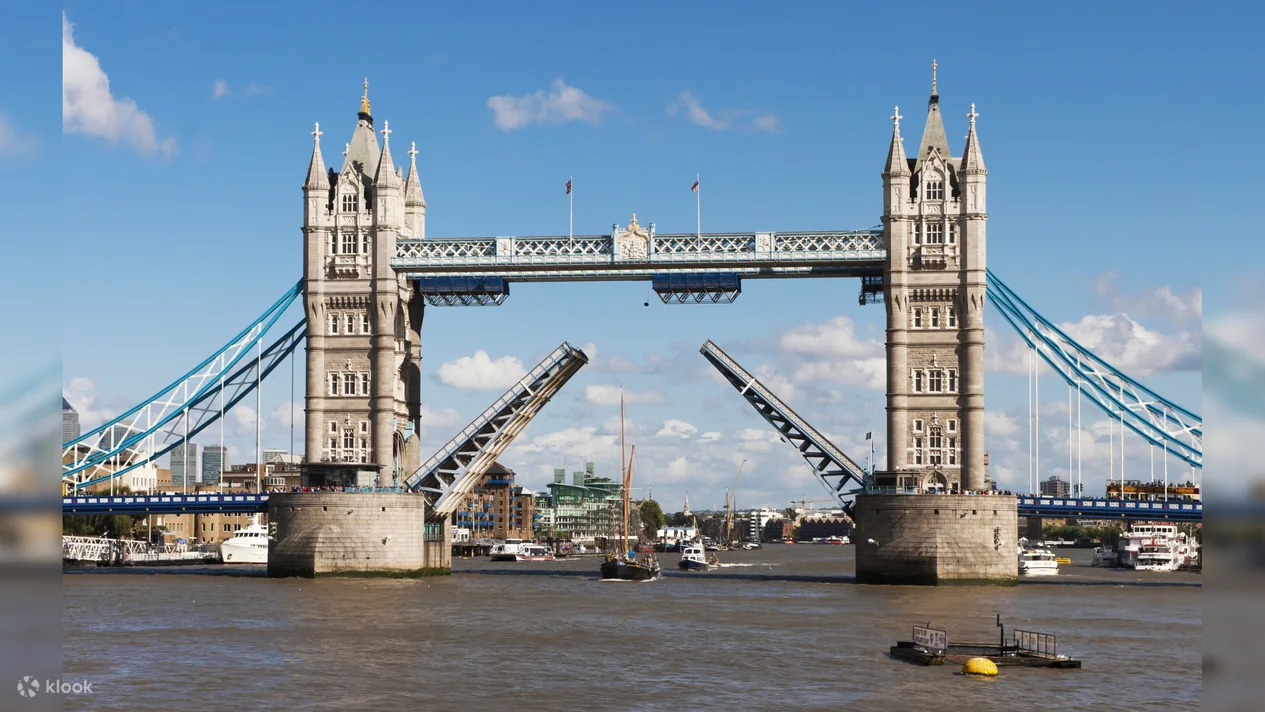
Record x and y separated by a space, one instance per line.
834 468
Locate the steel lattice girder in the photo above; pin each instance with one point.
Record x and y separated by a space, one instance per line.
449 475
104 443
717 288
200 412
834 468
462 291
1154 418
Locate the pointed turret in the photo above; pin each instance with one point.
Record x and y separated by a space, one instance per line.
933 135
972 159
385 176
897 164
414 203
316 177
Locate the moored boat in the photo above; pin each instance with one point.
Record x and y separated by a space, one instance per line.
247 546
506 550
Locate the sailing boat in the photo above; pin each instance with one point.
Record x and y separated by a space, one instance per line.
626 565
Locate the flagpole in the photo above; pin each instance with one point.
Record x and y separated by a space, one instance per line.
571 211
698 200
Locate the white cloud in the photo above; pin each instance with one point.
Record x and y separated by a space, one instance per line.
562 103
1115 338
89 108
833 352
220 89
258 90
285 414
676 429
692 108
608 395
480 372
11 142
836 337
998 423
1155 302
81 393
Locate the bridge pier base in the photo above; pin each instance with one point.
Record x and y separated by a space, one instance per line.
936 539
355 534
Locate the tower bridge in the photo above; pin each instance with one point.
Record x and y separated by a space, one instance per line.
370 271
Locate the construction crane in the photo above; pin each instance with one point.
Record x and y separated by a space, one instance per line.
803 504
731 500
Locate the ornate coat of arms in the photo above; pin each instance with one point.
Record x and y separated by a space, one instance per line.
633 242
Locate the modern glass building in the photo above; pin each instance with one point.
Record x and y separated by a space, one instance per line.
69 422
178 464
214 462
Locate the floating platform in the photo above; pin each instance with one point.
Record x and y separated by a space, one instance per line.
959 653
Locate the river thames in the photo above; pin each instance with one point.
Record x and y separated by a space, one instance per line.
783 628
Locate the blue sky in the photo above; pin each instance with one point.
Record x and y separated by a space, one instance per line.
1107 134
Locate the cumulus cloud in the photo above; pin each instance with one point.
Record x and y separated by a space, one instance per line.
562 103
81 393
608 395
481 372
676 429
220 89
689 105
89 108
1115 338
832 352
1158 302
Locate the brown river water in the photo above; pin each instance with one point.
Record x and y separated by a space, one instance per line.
783 628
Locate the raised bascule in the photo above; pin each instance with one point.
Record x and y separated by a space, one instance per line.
370 272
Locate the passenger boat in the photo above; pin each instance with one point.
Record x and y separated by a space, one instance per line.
247 546
1154 547
506 550
1037 562
694 558
534 552
1104 557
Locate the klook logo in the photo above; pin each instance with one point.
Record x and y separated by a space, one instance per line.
30 687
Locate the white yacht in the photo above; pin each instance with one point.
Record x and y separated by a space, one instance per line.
247 546
1154 547
533 552
506 550
1104 556
1037 562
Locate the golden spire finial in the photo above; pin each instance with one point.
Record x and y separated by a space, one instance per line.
364 99
933 76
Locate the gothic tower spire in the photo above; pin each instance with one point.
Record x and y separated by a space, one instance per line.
933 135
897 164
316 179
414 202
972 159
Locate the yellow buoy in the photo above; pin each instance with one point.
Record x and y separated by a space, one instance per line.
980 666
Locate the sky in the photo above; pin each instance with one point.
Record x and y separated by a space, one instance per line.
171 204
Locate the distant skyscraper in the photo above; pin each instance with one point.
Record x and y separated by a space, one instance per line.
272 453
178 464
1054 487
214 461
69 422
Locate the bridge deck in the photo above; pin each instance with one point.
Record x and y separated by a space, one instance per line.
627 255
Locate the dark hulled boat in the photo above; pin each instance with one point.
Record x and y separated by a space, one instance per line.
629 570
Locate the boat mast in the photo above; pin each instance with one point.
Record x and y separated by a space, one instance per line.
628 493
623 466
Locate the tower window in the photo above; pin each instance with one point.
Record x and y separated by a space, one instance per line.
364 384
349 441
335 385
953 426
935 381
333 323
364 426
953 233
935 233
934 439
935 318
349 385
918 425
953 317
917 381
917 451
333 244
349 244
364 244
935 190
349 203
918 318
953 451
364 323
349 323
953 380
917 233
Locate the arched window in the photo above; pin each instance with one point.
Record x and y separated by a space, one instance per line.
935 318
953 233
935 190
334 322
349 440
918 318
364 384
350 203
935 380
953 380
917 381
335 384
953 317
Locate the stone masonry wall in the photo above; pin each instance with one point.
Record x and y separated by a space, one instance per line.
326 533
936 539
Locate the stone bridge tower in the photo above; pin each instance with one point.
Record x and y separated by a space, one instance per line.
934 221
363 339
